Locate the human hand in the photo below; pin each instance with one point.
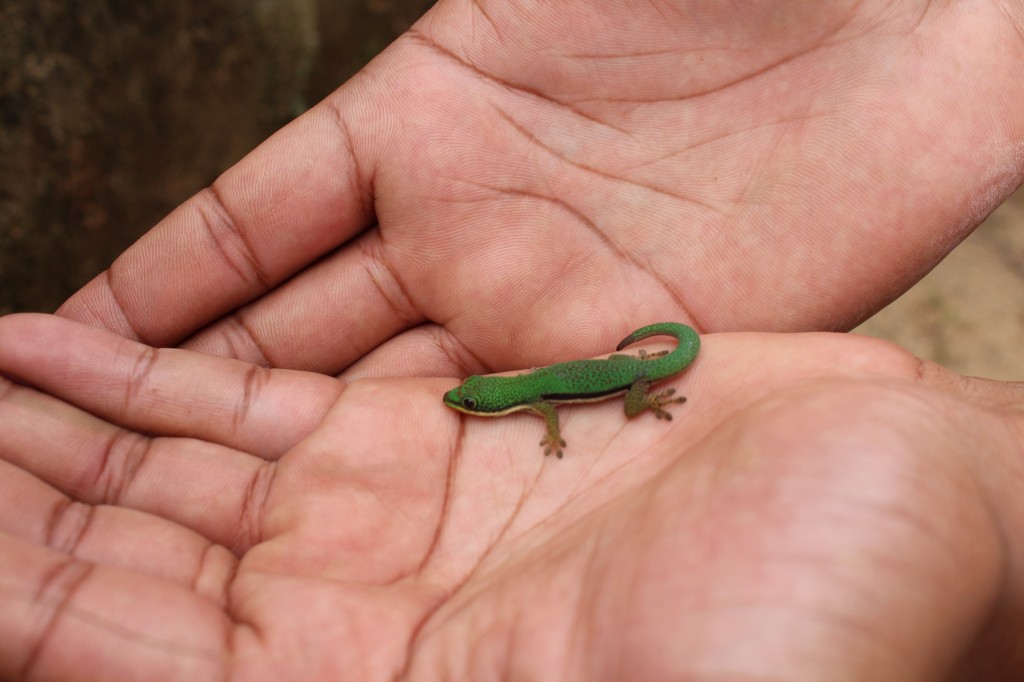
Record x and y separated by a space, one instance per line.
825 507
500 179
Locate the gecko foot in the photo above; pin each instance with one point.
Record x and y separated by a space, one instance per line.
657 402
552 445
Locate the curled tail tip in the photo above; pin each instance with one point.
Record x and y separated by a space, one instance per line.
674 329
632 338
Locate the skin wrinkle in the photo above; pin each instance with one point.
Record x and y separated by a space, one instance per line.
235 626
409 517
214 207
476 658
781 144
607 176
993 519
255 378
226 587
610 474
494 27
919 22
117 471
207 558
712 140
601 56
365 195
109 280
1012 19
642 520
583 480
893 564
253 509
722 87
438 335
511 517
457 588
855 10
664 12
416 631
58 606
865 635
623 255
74 519
740 677
446 502
456 352
374 492
138 375
628 598
511 644
69 611
402 306
418 36
237 321
53 522
585 597
1005 592
923 528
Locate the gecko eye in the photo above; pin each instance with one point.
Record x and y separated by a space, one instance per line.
469 403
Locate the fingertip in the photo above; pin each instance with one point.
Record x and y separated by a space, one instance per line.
17 327
96 305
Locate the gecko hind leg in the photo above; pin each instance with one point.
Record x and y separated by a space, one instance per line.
638 399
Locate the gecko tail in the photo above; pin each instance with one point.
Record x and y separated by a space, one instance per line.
689 341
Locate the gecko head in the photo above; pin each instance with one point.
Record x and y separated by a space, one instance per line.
469 397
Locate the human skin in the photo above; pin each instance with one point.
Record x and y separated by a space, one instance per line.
513 183
505 187
824 507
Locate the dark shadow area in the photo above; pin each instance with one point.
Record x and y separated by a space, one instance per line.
114 112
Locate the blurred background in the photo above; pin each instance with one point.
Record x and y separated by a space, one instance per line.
113 112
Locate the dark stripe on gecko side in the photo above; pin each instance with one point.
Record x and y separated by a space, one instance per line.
583 397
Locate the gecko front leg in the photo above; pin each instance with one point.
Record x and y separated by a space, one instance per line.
552 442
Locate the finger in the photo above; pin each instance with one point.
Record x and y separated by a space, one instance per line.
425 351
323 319
168 391
295 197
69 620
987 392
215 491
34 511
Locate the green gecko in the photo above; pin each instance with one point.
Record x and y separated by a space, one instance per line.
583 381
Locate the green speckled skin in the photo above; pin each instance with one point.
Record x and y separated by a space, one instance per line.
583 381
